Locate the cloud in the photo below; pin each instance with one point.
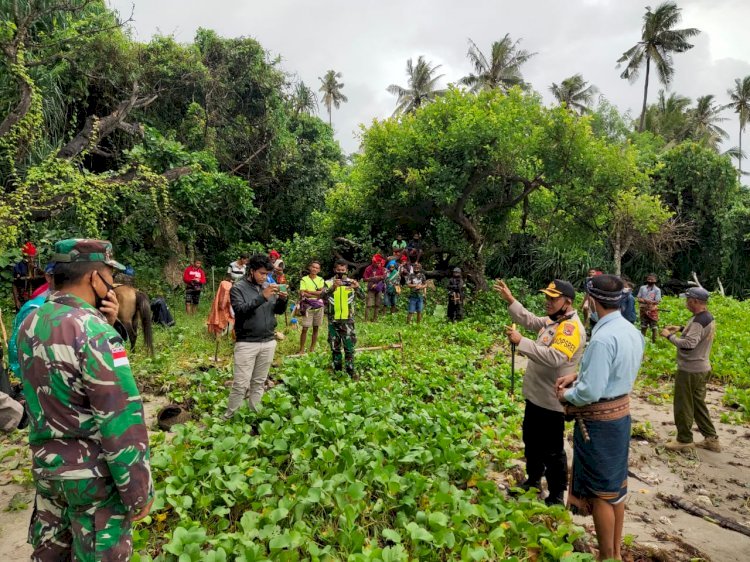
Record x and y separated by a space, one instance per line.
369 42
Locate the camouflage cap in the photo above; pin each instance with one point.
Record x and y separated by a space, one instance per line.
74 250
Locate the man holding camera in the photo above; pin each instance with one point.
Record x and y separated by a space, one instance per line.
555 353
339 295
255 302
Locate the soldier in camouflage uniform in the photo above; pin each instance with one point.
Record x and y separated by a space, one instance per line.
339 295
87 432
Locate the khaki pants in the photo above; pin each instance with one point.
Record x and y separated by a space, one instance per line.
690 405
252 361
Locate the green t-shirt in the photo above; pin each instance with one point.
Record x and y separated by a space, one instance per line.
400 245
312 285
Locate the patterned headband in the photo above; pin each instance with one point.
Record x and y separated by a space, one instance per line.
605 297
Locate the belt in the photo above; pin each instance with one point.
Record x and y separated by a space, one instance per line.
607 409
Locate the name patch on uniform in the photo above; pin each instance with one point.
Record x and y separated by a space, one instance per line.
119 355
567 339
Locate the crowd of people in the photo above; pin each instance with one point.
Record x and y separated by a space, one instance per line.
87 428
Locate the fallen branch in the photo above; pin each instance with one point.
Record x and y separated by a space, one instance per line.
708 515
721 287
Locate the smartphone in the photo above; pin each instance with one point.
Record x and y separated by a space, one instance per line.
282 288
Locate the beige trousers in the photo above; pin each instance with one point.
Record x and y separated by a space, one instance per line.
252 361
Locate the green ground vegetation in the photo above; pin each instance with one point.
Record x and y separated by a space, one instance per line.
397 465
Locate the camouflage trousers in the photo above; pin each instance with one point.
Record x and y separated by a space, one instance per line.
342 335
82 520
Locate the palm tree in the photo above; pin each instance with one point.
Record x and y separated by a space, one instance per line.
575 93
740 97
502 70
658 42
669 117
421 88
331 88
304 99
703 122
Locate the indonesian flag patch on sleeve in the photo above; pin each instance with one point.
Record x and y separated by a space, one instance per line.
119 355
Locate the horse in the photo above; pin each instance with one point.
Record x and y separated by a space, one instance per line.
135 307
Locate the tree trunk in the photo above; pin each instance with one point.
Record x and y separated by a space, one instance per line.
617 255
645 95
21 109
739 156
525 214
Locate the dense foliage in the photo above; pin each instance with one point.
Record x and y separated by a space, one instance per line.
211 148
165 148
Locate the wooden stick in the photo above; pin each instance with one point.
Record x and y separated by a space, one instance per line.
704 513
381 347
5 334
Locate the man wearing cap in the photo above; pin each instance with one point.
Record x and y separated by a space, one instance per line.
599 401
555 353
87 433
693 372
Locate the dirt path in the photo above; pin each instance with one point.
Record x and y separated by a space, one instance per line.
17 492
719 482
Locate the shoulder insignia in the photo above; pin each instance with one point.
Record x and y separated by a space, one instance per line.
119 355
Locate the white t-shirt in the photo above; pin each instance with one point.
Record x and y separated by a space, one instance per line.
236 271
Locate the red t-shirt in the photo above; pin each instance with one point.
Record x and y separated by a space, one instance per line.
374 271
194 275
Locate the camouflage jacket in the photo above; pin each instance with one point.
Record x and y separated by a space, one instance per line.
86 413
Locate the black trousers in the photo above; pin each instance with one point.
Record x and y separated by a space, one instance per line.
543 435
455 311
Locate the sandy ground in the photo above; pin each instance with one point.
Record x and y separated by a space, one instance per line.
17 493
717 481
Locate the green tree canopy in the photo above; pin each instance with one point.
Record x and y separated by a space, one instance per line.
463 168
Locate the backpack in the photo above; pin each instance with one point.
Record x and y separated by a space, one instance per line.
160 313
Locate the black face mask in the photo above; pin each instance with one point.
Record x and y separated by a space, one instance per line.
555 316
98 301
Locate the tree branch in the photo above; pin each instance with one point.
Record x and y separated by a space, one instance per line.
95 129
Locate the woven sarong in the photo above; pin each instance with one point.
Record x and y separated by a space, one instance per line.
601 443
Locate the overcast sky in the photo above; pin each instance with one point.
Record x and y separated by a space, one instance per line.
370 41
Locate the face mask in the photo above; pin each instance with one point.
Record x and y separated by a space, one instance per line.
555 316
97 299
594 316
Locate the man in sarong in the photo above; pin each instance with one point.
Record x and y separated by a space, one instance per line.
599 402
649 297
